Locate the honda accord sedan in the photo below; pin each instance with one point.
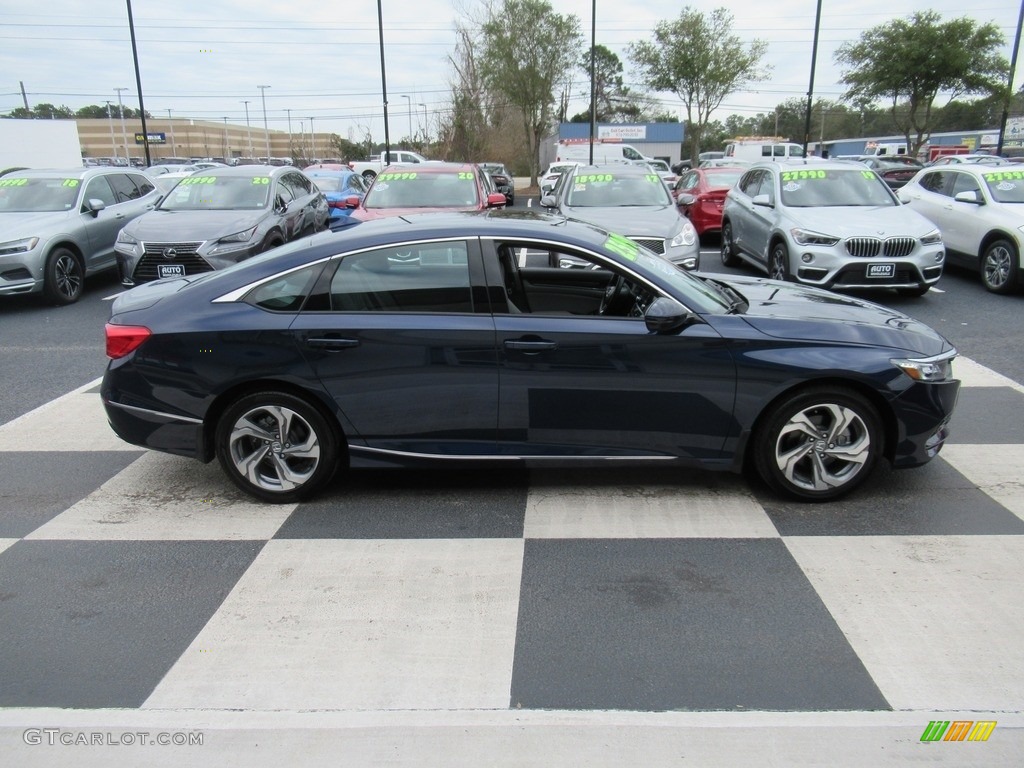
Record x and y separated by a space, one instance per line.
516 338
218 217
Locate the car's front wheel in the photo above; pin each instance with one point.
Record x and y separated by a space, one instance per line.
64 277
729 257
778 262
998 266
818 444
276 446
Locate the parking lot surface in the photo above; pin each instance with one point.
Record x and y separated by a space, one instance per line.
468 618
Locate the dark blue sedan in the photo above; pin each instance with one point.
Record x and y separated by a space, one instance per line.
344 190
523 339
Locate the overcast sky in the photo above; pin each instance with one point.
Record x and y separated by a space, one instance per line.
321 59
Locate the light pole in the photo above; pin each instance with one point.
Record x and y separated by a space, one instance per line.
410 115
312 139
124 133
426 125
170 122
248 129
226 151
110 120
266 131
290 150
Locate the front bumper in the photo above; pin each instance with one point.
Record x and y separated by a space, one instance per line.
923 413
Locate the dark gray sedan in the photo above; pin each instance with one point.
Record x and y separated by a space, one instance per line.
219 217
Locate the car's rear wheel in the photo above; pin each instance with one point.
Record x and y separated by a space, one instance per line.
729 257
64 277
818 444
778 262
276 446
998 266
271 241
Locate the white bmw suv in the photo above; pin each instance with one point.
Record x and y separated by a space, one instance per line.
980 211
831 225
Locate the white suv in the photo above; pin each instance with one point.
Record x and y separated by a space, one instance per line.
980 212
830 225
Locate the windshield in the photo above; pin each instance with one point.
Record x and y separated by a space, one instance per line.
603 190
724 178
328 183
19 194
219 193
816 188
412 189
1005 186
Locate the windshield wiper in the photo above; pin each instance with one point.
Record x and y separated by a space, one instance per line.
733 299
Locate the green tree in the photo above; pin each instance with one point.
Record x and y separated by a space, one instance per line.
698 58
528 53
908 62
616 103
45 111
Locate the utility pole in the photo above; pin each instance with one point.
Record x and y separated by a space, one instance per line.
124 133
226 150
426 125
248 129
290 150
410 115
266 131
170 121
312 139
110 121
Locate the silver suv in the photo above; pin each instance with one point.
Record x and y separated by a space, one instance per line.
59 226
831 225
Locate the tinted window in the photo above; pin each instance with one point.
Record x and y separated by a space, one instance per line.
431 277
964 182
99 189
145 185
124 188
297 184
750 182
933 182
285 294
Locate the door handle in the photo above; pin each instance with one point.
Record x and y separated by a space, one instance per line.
332 344
531 347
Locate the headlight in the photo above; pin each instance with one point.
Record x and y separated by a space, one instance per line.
687 236
18 246
932 238
125 238
238 237
808 237
938 368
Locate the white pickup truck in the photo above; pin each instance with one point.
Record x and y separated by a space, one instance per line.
369 169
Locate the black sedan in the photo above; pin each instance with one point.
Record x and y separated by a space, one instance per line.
218 217
518 338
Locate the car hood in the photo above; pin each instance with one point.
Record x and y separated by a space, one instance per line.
863 221
176 226
786 310
662 220
15 225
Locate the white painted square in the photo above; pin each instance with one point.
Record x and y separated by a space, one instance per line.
6 543
721 508
938 621
164 497
73 422
359 625
998 470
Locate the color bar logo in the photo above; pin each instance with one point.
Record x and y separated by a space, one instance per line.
958 730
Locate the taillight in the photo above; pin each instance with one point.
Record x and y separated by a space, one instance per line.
124 339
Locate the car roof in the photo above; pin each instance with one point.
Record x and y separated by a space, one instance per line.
431 167
801 164
77 173
621 169
248 170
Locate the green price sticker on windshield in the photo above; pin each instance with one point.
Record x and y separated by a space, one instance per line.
802 175
69 183
205 180
623 246
1005 176
466 175
13 182
257 180
595 177
397 176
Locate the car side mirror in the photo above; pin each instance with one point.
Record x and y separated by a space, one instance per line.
95 206
762 200
496 200
280 205
667 315
969 196
686 199
352 202
548 201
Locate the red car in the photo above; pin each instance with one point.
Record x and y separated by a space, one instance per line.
700 195
425 187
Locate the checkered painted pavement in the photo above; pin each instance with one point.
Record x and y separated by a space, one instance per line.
146 585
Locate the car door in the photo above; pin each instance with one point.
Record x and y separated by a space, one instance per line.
403 342
584 385
742 211
759 220
966 223
101 227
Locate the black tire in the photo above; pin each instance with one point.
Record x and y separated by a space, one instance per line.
729 257
778 262
271 241
271 466
818 444
999 266
369 175
63 277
